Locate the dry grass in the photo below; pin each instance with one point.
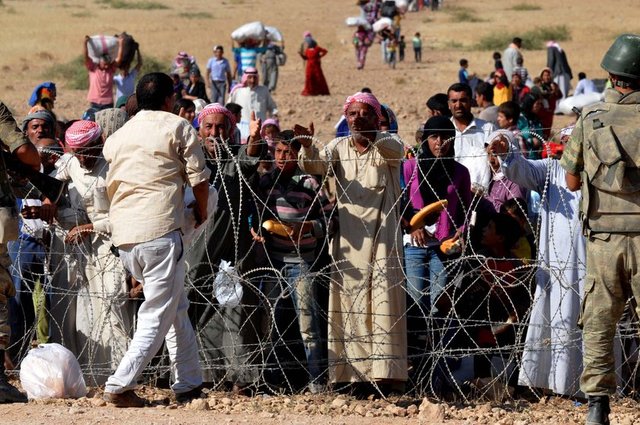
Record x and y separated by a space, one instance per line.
140 5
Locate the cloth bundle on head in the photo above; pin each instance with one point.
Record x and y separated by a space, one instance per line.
81 133
366 98
110 120
39 114
36 95
216 108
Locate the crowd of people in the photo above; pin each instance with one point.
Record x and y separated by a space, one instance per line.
251 253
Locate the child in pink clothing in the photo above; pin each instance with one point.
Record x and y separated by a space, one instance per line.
100 94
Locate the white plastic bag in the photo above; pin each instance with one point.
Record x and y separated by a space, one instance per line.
273 34
189 232
100 45
250 31
227 287
355 21
382 23
52 371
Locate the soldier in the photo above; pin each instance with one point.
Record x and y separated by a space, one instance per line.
14 141
603 153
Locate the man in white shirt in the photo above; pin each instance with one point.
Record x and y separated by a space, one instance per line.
585 85
151 158
471 135
253 98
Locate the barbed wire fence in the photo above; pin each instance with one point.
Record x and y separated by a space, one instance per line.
251 338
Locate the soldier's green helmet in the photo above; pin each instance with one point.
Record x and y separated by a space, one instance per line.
623 57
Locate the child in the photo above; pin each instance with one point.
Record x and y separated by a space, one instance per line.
401 46
497 61
126 80
417 47
101 75
392 45
464 76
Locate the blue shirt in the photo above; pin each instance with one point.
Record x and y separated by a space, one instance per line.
463 76
218 69
125 86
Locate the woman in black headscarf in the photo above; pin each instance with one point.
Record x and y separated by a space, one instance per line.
434 175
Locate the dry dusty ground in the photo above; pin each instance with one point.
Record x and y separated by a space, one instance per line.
222 408
38 34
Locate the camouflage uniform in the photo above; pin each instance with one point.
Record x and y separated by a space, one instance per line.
11 138
604 150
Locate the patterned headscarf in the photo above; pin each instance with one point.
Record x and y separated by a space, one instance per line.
81 133
216 108
367 98
110 120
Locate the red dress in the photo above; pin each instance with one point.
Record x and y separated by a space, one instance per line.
314 82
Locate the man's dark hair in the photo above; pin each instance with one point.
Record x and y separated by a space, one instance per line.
581 75
439 102
234 108
486 90
517 40
510 110
153 90
183 103
458 87
288 137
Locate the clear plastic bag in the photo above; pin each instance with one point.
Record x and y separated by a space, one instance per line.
52 371
227 287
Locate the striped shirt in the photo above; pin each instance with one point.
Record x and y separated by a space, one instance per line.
294 200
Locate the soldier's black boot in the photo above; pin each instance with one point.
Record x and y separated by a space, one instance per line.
598 410
8 393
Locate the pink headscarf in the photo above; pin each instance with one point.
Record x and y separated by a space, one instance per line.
216 108
268 121
306 34
81 133
367 98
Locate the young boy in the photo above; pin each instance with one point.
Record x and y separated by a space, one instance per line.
417 47
401 46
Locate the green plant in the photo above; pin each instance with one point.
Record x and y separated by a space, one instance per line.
531 40
465 16
142 5
525 7
195 15
83 14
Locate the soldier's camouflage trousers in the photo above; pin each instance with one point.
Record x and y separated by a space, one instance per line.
7 291
613 275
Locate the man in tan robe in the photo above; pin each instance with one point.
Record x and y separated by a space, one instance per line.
367 323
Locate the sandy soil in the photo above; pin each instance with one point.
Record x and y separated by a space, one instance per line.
37 35
40 34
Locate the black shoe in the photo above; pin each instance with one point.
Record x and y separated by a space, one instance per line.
9 393
190 395
598 410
